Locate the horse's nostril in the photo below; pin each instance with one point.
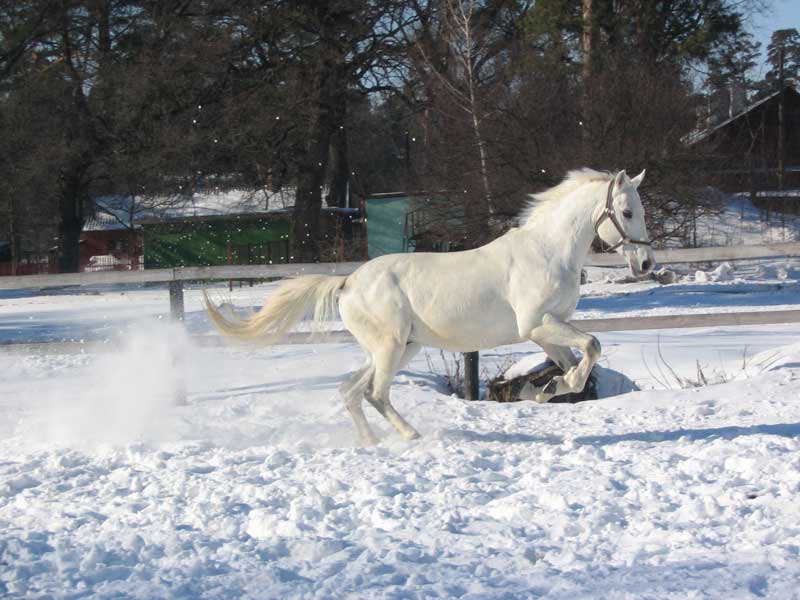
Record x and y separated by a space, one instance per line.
646 265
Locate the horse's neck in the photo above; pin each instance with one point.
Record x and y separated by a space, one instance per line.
567 226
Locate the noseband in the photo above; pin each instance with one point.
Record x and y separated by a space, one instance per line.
608 213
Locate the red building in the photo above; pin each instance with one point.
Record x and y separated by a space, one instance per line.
108 245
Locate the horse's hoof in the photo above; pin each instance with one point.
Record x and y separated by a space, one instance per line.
412 435
367 441
542 397
551 387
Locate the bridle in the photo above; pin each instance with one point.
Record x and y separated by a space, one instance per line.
608 213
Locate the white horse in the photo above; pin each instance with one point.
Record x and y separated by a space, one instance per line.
522 286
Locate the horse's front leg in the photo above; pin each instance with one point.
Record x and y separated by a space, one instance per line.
555 332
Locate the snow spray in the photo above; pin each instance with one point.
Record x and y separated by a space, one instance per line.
120 397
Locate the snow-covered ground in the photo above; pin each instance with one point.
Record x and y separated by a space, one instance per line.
742 223
256 488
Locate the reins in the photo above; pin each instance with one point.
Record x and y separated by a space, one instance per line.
608 213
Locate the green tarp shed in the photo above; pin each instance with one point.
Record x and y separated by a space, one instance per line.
386 223
416 222
218 240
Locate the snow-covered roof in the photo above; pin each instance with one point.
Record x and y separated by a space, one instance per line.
102 221
121 212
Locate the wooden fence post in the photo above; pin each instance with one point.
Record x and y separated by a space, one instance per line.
177 313
471 381
176 309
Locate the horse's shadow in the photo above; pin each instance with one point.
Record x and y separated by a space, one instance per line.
500 436
314 383
790 430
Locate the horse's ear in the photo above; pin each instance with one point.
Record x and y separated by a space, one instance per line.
638 179
619 178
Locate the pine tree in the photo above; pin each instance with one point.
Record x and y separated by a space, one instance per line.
784 47
730 83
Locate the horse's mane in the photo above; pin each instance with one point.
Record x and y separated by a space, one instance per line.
543 200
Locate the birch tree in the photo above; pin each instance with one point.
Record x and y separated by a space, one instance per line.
459 56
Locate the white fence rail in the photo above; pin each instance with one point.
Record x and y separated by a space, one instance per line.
180 274
176 277
673 256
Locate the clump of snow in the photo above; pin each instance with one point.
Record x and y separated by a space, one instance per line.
723 272
781 270
665 276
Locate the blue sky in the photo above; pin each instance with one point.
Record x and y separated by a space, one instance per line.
782 14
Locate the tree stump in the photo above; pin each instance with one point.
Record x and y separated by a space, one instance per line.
508 390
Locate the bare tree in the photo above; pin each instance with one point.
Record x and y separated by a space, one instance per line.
459 57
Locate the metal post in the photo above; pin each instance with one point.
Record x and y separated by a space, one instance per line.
471 381
176 300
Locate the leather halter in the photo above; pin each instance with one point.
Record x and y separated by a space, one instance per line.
610 214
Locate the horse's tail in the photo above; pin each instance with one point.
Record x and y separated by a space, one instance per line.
315 294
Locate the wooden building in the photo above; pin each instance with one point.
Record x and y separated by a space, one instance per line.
109 244
756 150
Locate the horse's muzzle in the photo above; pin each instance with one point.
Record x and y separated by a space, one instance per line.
641 261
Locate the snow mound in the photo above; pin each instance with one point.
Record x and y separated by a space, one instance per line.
777 270
784 357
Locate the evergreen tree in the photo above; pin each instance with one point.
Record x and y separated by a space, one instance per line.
729 84
783 51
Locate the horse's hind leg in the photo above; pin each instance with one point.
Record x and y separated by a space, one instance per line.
358 380
353 391
554 332
387 361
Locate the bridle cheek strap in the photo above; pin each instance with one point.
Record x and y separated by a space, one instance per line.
608 213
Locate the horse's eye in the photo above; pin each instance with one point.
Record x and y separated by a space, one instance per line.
627 214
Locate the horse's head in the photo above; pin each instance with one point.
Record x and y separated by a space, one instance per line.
620 223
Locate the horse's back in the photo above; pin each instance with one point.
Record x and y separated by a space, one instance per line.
457 301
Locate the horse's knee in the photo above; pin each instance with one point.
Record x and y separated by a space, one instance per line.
593 347
352 402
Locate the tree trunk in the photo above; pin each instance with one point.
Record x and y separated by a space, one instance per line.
587 42
781 120
481 145
308 203
476 218
339 167
70 206
14 235
69 255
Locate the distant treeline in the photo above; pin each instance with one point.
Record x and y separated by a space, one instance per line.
483 100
